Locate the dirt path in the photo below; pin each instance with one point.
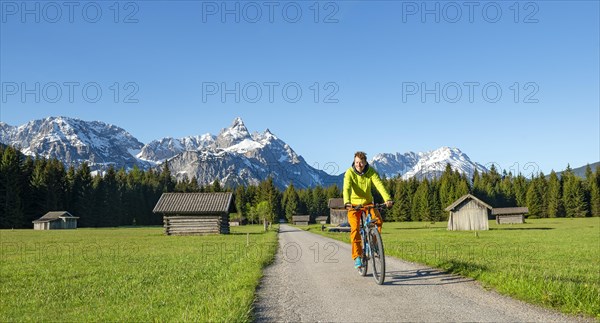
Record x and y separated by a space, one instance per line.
313 279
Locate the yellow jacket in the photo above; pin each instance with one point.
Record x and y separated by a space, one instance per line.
357 188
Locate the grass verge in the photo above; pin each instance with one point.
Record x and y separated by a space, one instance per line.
131 274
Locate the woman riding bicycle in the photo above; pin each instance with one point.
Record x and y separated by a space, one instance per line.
357 191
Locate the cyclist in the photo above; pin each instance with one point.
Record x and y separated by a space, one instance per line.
358 180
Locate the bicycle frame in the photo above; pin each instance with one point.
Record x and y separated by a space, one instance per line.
366 222
371 243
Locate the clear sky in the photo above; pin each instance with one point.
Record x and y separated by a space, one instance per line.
510 83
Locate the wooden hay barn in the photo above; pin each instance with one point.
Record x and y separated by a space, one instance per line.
56 220
321 220
238 222
195 213
300 219
510 215
468 213
337 212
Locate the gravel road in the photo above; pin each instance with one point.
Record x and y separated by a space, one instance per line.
313 279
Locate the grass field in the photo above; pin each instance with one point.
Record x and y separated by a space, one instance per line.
131 274
550 262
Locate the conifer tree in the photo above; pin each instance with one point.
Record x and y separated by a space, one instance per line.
166 179
554 200
587 189
240 200
290 202
447 187
534 200
112 199
507 191
595 193
573 195
216 186
421 210
82 195
401 210
333 191
319 202
305 197
12 215
27 203
520 188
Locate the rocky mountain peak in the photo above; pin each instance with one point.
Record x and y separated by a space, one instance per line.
235 134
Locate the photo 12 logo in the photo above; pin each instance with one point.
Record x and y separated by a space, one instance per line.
269 12
269 92
528 169
69 12
471 92
470 11
71 92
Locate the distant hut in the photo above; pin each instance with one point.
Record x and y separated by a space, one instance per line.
238 221
468 213
300 219
337 212
56 220
510 215
195 213
321 220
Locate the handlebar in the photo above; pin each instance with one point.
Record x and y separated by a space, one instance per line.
379 206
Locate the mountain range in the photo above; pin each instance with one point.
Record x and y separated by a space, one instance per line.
234 156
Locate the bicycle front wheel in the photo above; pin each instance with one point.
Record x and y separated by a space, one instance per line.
377 255
365 260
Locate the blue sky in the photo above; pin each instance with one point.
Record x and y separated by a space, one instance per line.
371 61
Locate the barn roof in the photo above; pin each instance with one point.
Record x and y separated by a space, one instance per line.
509 210
194 203
55 215
463 198
336 203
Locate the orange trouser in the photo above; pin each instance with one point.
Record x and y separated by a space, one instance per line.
354 221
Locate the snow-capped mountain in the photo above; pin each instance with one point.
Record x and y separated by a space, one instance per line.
234 156
425 165
237 157
157 151
74 141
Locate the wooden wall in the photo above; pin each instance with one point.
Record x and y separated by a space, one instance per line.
338 216
510 219
196 224
62 223
469 216
301 219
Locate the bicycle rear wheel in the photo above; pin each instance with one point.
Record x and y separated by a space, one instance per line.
377 255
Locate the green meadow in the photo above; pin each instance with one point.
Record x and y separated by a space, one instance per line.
131 274
550 262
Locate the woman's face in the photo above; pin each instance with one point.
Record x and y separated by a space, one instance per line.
359 164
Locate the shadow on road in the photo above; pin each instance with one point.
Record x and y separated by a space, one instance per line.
281 230
495 229
423 277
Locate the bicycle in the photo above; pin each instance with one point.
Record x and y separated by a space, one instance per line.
372 243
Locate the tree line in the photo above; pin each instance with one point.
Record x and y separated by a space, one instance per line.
30 187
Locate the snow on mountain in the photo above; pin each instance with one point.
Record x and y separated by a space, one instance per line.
425 165
73 141
234 156
394 164
240 158
235 134
157 151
